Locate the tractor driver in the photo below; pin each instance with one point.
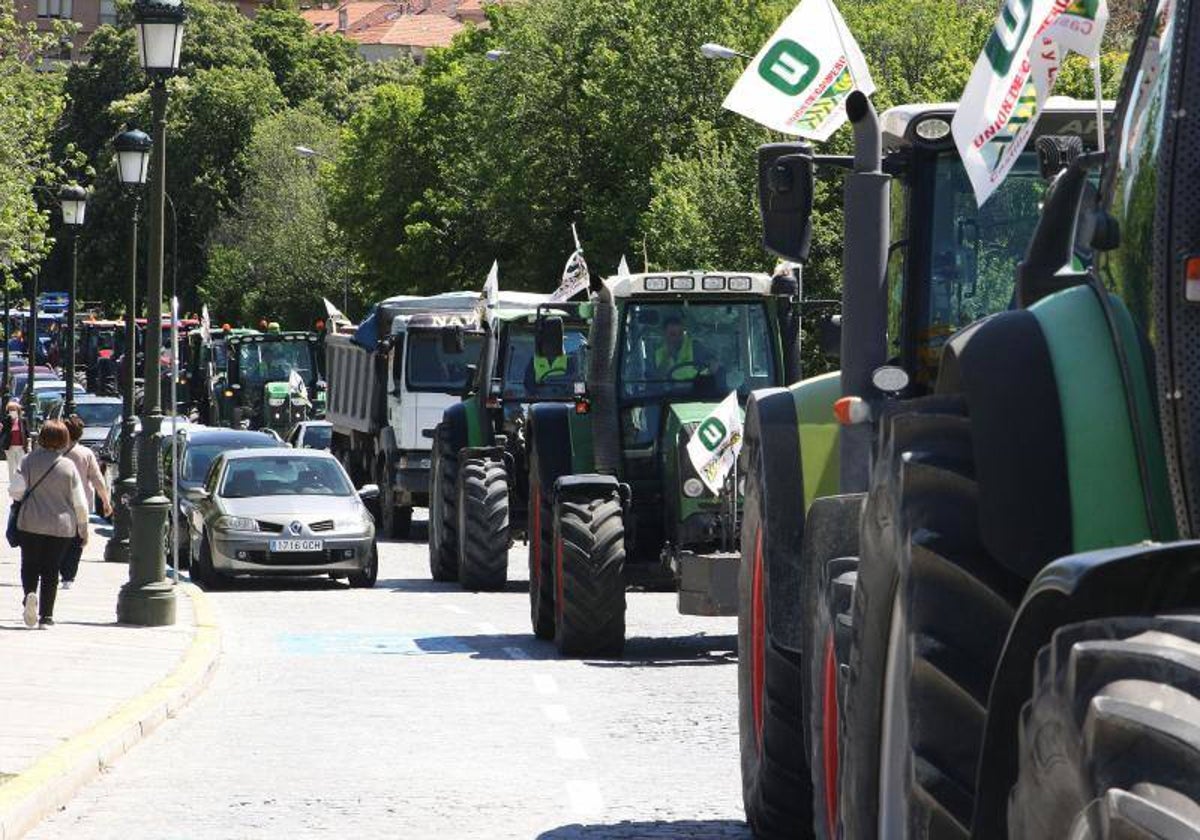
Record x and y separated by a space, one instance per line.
680 358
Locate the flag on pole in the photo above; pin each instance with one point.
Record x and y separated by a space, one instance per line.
623 267
799 81
1013 77
205 324
575 276
716 443
335 317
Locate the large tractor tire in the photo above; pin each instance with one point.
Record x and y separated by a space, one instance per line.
1110 740
930 614
482 524
540 538
443 537
589 562
776 790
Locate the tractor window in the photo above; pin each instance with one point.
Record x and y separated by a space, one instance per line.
431 369
260 362
520 377
696 350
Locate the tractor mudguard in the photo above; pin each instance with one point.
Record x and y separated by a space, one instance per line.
1144 579
818 428
550 437
456 421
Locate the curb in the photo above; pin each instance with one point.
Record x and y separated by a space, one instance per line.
51 782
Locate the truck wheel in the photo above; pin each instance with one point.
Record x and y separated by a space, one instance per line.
443 541
540 536
826 606
367 577
1110 741
931 611
589 561
482 524
776 790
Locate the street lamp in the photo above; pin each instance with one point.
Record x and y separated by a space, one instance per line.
720 52
132 160
73 201
148 599
309 153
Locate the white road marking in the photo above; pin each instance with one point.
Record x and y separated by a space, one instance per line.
585 799
557 714
488 629
545 684
570 749
515 653
454 609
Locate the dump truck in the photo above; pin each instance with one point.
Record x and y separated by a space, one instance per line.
479 503
389 382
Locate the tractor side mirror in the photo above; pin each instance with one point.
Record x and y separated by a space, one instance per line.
785 198
454 342
550 337
468 382
829 334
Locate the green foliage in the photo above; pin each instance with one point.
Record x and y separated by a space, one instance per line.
274 255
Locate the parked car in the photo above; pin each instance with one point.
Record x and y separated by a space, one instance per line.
198 448
41 373
98 415
281 512
311 434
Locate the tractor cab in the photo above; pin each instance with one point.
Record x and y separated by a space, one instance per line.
272 380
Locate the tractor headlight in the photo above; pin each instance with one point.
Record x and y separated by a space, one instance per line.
275 401
693 488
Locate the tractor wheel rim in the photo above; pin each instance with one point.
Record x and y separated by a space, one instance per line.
829 738
757 640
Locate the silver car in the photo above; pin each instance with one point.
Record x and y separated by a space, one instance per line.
281 512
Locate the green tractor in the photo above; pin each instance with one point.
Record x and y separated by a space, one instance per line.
271 380
480 472
613 495
992 630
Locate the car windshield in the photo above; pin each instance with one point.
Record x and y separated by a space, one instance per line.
431 368
199 456
523 380
260 362
98 414
698 350
284 475
317 437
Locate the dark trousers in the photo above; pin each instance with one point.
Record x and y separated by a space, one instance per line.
41 558
70 561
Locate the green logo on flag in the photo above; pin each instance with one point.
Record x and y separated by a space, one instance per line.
1008 33
712 433
788 67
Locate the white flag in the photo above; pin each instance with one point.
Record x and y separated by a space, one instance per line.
491 286
799 81
205 324
623 267
715 444
334 316
575 278
1014 76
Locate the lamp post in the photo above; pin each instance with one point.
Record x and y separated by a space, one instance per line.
133 158
73 201
148 598
31 346
7 385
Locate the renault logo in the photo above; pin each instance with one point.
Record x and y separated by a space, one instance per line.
295 527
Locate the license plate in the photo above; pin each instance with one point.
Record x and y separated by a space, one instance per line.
297 545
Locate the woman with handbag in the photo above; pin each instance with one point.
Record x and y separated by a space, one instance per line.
50 509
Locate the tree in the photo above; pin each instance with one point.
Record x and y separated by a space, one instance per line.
274 254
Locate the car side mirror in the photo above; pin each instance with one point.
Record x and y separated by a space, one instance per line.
195 494
368 492
549 338
454 342
785 198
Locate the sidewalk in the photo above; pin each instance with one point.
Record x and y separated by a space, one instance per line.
76 696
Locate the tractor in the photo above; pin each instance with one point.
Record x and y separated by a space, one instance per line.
271 380
613 495
990 627
480 473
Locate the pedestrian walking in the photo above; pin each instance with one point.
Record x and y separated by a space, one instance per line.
12 438
53 511
88 468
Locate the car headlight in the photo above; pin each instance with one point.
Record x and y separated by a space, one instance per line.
353 523
236 523
693 488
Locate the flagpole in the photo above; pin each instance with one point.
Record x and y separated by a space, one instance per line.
174 440
1097 84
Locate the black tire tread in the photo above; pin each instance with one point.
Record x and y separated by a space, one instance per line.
540 536
443 539
483 545
590 536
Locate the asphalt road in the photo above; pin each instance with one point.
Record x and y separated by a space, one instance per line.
417 710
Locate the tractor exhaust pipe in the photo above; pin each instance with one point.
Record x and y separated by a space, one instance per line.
864 284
